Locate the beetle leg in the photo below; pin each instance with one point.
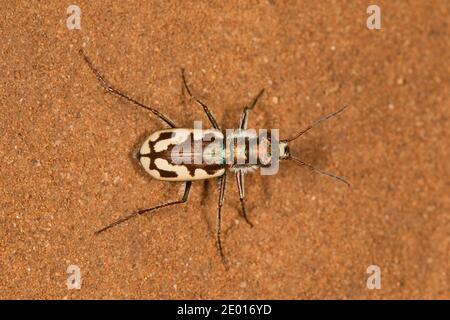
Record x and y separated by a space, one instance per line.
135 214
204 106
241 189
245 113
113 90
223 183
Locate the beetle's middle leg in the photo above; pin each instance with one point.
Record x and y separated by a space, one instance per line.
204 106
241 189
137 213
223 183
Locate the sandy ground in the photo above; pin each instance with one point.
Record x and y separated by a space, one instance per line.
66 149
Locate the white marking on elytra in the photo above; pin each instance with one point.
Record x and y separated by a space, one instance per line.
154 173
154 136
145 162
145 148
202 174
178 137
180 170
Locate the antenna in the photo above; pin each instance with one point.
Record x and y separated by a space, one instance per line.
310 166
315 123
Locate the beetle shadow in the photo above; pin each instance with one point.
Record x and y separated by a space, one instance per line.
205 198
314 150
133 158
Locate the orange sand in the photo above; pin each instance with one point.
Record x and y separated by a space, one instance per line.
66 149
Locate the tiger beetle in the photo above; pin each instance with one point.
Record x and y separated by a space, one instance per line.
158 158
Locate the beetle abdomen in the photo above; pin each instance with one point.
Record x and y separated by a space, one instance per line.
183 154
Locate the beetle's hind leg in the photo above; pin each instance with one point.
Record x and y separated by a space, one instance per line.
137 213
204 106
223 183
110 89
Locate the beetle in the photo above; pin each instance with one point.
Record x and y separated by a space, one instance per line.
158 159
